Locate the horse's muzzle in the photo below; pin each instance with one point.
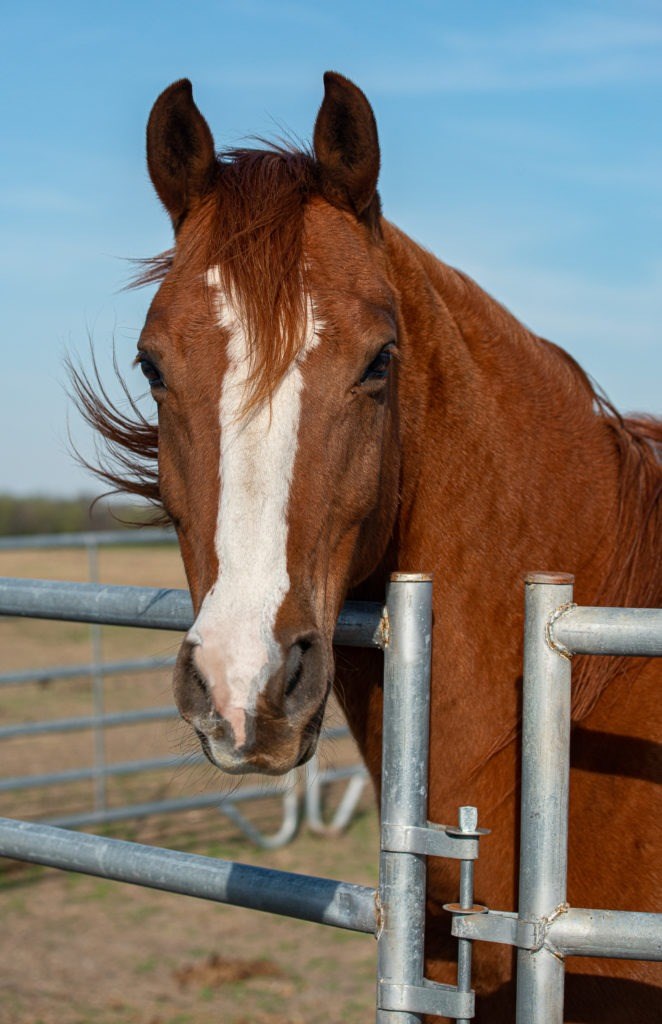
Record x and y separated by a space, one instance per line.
275 728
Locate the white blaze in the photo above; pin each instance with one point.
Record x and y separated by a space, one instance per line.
236 650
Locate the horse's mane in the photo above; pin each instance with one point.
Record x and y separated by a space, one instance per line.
127 443
629 574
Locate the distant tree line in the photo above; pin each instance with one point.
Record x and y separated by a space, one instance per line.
42 514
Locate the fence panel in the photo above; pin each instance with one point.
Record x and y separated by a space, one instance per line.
157 609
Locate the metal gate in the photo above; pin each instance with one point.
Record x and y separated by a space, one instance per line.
545 929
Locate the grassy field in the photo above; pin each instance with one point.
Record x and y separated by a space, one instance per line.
77 950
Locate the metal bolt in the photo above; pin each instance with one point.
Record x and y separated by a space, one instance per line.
468 819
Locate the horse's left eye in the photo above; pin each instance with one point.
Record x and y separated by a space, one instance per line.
379 366
150 371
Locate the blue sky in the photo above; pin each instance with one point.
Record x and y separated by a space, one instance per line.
520 142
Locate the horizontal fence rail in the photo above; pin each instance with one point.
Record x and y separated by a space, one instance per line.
150 608
50 673
623 934
90 539
88 722
15 782
620 631
318 778
321 900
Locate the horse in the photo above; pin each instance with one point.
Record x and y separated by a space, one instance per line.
335 403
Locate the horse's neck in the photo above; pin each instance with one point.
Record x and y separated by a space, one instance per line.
506 466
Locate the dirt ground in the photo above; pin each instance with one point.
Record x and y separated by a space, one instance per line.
77 950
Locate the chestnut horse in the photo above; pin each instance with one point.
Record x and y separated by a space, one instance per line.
335 403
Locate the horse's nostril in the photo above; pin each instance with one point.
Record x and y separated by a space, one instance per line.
295 661
294 680
198 680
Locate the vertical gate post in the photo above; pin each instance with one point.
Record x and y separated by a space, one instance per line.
98 687
404 797
545 776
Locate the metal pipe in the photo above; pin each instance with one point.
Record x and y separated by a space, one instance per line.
610 933
100 538
17 782
219 801
402 876
344 811
316 780
223 802
150 608
468 822
545 778
92 602
49 673
621 631
98 691
321 900
289 825
87 722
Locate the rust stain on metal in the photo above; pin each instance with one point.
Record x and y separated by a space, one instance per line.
383 634
379 915
557 578
562 908
550 640
457 908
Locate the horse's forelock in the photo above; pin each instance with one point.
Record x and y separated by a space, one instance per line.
256 243
250 233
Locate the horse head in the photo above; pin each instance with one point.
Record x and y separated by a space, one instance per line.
271 349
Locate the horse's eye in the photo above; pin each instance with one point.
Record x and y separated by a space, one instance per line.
378 368
150 371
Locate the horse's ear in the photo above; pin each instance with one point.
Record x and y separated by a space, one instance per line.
180 151
346 146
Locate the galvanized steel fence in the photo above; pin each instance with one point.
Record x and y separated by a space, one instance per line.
71 600
545 929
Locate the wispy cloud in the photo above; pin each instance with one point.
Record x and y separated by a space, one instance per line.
568 50
561 150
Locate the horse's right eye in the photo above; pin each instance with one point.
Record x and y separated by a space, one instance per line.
378 368
151 372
